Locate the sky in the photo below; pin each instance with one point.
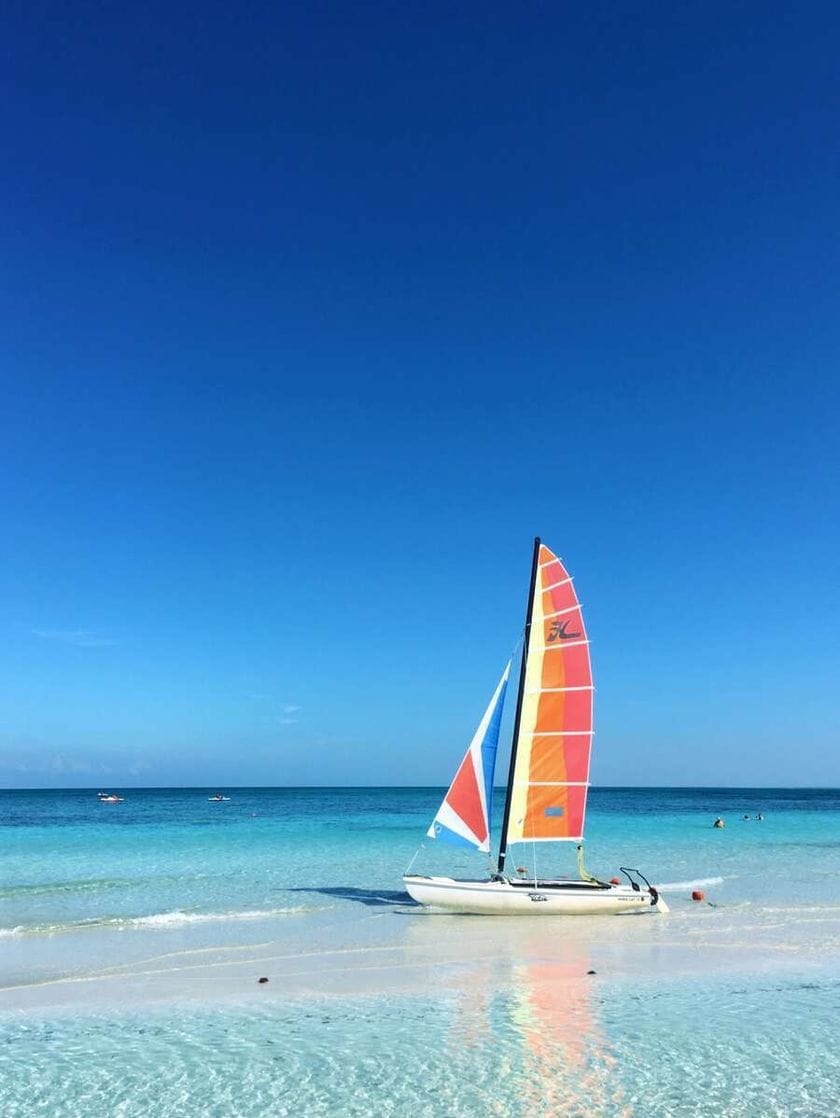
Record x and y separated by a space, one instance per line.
313 315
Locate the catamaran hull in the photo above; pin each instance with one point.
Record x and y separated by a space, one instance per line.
502 898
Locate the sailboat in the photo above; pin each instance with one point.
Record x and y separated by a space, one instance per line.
548 779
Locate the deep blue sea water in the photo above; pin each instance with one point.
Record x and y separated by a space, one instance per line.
132 936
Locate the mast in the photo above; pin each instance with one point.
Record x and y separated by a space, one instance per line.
519 697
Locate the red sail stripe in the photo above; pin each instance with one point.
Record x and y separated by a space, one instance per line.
465 799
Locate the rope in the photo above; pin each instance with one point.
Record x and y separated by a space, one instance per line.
414 859
585 875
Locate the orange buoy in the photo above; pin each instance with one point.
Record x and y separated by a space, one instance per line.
698 895
615 881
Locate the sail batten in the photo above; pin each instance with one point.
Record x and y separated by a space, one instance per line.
558 613
551 690
464 817
557 733
550 777
554 783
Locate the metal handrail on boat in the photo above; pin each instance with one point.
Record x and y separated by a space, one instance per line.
636 887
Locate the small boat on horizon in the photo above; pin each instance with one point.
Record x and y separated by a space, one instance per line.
218 798
110 798
548 779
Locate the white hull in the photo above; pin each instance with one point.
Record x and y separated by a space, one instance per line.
545 898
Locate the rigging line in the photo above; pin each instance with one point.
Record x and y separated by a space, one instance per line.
414 859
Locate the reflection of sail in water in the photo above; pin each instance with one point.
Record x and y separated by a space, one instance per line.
552 1010
566 1065
525 1012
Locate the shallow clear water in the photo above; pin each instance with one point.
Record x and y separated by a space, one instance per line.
546 1045
132 937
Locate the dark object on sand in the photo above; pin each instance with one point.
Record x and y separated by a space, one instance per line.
590 972
261 980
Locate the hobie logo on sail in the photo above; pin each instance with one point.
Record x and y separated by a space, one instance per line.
559 631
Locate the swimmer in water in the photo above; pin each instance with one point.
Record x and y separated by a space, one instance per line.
718 823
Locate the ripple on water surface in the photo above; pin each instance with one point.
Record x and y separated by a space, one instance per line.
546 1044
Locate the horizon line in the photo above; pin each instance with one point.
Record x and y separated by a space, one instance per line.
423 787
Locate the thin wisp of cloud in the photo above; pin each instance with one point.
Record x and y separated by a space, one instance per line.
288 710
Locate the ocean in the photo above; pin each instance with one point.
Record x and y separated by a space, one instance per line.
133 936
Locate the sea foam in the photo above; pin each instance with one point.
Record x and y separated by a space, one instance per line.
176 919
697 883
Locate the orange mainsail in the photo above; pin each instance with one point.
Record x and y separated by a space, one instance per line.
553 739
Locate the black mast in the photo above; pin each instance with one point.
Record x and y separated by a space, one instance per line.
519 697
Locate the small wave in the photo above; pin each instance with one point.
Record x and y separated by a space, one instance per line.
175 919
675 886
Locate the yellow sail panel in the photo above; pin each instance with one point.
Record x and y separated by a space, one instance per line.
554 741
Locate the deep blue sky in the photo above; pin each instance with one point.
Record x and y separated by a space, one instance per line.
313 315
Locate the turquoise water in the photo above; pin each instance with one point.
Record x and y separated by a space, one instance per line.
133 935
695 1050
